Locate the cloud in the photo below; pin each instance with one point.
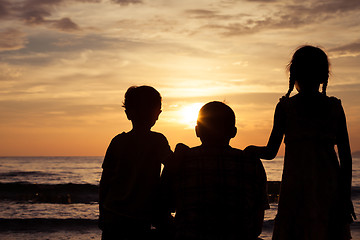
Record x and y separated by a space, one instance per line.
4 8
351 49
12 39
263 1
127 2
8 73
66 24
88 1
206 14
38 12
34 12
334 6
276 15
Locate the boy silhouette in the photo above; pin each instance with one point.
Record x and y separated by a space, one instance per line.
131 170
216 191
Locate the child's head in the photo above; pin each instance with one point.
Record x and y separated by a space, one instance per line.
216 123
142 106
309 67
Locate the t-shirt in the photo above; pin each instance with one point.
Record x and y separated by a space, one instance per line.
131 174
217 192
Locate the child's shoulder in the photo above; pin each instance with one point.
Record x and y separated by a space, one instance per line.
158 137
285 101
236 153
181 149
120 137
335 100
245 157
154 137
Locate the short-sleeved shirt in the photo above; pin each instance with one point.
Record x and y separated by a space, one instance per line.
133 165
216 191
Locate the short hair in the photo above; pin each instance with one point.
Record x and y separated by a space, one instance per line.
142 98
217 118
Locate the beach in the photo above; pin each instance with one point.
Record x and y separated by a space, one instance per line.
56 197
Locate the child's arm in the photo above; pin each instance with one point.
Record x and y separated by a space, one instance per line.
108 172
168 176
103 189
168 191
269 151
164 150
262 196
345 158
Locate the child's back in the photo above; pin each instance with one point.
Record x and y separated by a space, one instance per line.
218 193
134 163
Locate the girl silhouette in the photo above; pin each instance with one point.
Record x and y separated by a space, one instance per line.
315 198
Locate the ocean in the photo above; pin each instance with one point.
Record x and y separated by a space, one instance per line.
56 197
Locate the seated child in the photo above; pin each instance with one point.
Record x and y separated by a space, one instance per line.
216 191
131 169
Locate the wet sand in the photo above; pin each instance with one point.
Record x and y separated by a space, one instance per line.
49 229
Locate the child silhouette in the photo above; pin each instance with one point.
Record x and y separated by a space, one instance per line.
131 170
315 201
216 191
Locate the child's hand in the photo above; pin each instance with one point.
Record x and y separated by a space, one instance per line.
251 151
180 147
350 208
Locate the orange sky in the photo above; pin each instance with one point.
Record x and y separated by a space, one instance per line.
65 66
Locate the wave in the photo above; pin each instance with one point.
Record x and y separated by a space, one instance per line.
355 191
49 193
45 224
73 193
86 193
24 174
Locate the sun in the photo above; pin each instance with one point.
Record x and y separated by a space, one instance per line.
189 114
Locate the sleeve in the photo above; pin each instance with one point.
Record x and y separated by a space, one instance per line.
164 149
280 116
108 162
167 184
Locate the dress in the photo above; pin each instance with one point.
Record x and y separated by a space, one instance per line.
311 205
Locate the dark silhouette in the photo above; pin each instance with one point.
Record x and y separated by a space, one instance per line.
315 197
131 170
216 191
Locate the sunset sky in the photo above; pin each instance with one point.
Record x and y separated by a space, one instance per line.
66 64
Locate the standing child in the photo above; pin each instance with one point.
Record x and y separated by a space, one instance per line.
216 191
131 170
315 201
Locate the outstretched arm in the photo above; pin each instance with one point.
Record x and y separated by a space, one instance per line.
269 151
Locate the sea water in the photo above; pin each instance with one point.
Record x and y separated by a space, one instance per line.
62 192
